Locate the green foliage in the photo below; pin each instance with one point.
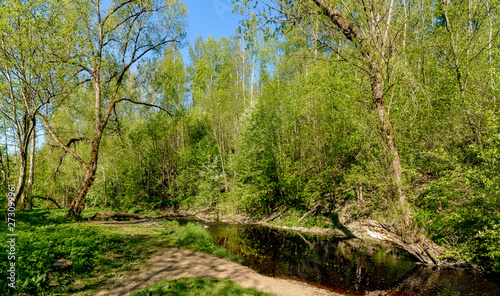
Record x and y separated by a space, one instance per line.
461 209
256 163
196 286
195 237
43 238
262 123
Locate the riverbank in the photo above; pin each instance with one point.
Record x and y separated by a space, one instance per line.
423 250
419 246
174 263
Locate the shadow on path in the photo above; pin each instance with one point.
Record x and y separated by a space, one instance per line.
173 263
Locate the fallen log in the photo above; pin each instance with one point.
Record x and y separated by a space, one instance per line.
275 215
111 214
314 209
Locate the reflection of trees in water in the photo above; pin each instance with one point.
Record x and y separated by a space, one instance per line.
351 265
427 280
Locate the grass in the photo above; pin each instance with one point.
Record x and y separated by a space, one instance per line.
195 237
44 236
196 287
97 252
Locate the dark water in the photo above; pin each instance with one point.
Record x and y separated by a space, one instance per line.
347 266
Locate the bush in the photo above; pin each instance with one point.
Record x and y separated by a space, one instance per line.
461 210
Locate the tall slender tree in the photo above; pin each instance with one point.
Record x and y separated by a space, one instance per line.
30 80
368 27
108 42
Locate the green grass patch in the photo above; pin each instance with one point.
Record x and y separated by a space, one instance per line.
97 252
196 287
195 237
43 236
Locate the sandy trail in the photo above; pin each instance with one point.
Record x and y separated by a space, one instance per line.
174 263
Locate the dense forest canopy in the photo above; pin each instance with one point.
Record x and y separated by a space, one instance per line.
341 110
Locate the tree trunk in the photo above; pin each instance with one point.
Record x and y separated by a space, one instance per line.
31 170
25 199
373 57
21 180
5 175
389 139
78 203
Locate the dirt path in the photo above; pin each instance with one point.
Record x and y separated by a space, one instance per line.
173 263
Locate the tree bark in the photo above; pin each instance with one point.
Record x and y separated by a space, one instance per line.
31 172
78 203
21 180
26 194
5 175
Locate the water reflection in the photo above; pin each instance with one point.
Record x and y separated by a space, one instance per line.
348 266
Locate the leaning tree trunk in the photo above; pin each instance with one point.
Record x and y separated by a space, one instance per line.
78 203
373 57
389 140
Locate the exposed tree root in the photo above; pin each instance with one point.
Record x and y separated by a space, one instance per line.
420 247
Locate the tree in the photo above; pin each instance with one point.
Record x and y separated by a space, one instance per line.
107 43
30 79
369 29
218 91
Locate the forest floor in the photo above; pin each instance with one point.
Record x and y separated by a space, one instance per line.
174 263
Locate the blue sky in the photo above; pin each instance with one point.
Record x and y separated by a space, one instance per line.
209 17
206 17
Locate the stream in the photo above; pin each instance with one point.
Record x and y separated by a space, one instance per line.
346 266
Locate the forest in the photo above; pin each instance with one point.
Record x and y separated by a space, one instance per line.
315 113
